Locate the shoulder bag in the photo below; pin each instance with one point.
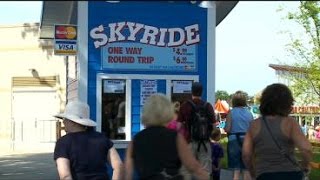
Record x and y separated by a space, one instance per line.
283 151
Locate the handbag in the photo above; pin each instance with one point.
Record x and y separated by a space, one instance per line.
284 152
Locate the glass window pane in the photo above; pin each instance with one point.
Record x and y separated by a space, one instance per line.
113 108
181 90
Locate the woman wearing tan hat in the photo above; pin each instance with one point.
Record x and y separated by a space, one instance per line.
83 153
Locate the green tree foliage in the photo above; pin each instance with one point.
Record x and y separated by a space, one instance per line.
305 79
222 95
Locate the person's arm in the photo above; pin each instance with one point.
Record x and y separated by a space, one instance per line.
181 114
247 152
128 164
116 163
63 167
188 159
301 143
227 128
183 118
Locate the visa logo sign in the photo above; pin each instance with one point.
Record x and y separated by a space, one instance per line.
66 46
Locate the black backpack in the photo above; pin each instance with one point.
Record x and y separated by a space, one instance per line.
200 125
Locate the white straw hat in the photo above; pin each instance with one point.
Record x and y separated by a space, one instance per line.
77 112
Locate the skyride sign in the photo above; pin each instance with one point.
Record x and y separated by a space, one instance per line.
65 40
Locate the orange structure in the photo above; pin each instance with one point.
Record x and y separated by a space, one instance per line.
220 108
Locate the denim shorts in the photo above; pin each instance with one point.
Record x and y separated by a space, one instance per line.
234 153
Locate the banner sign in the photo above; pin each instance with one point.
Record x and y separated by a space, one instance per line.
182 86
132 56
114 86
65 40
148 37
148 87
137 46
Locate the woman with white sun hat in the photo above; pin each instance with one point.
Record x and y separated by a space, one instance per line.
83 153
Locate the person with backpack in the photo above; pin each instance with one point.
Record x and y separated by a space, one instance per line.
198 118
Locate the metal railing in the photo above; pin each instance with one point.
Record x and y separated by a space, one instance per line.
43 130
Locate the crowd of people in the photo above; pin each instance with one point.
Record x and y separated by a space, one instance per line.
311 132
181 140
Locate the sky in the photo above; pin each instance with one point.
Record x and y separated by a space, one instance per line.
247 41
18 12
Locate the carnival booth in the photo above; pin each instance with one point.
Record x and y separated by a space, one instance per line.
138 50
221 109
128 50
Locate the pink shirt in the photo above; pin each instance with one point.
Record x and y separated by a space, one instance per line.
317 134
175 125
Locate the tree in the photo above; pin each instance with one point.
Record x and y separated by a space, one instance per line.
222 95
305 81
257 97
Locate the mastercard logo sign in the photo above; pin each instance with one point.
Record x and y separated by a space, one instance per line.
66 32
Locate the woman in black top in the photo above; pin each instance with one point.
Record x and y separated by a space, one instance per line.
82 154
157 152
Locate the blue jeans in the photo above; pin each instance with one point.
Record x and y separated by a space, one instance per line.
234 151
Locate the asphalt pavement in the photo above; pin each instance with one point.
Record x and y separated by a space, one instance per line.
40 166
28 167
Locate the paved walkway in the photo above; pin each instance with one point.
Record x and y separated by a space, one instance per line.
27 167
40 166
227 175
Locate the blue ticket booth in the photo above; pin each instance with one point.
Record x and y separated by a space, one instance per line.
129 50
134 49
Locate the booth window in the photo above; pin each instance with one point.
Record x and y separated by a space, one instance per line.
113 108
181 90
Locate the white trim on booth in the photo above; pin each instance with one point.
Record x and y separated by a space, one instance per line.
101 77
82 53
211 53
128 78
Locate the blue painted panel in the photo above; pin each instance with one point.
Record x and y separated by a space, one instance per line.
136 118
162 86
177 15
135 106
135 128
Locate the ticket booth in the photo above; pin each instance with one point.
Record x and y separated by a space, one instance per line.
128 50
131 50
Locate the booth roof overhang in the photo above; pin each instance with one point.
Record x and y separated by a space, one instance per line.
65 12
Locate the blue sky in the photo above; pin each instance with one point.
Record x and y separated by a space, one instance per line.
247 41
16 12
